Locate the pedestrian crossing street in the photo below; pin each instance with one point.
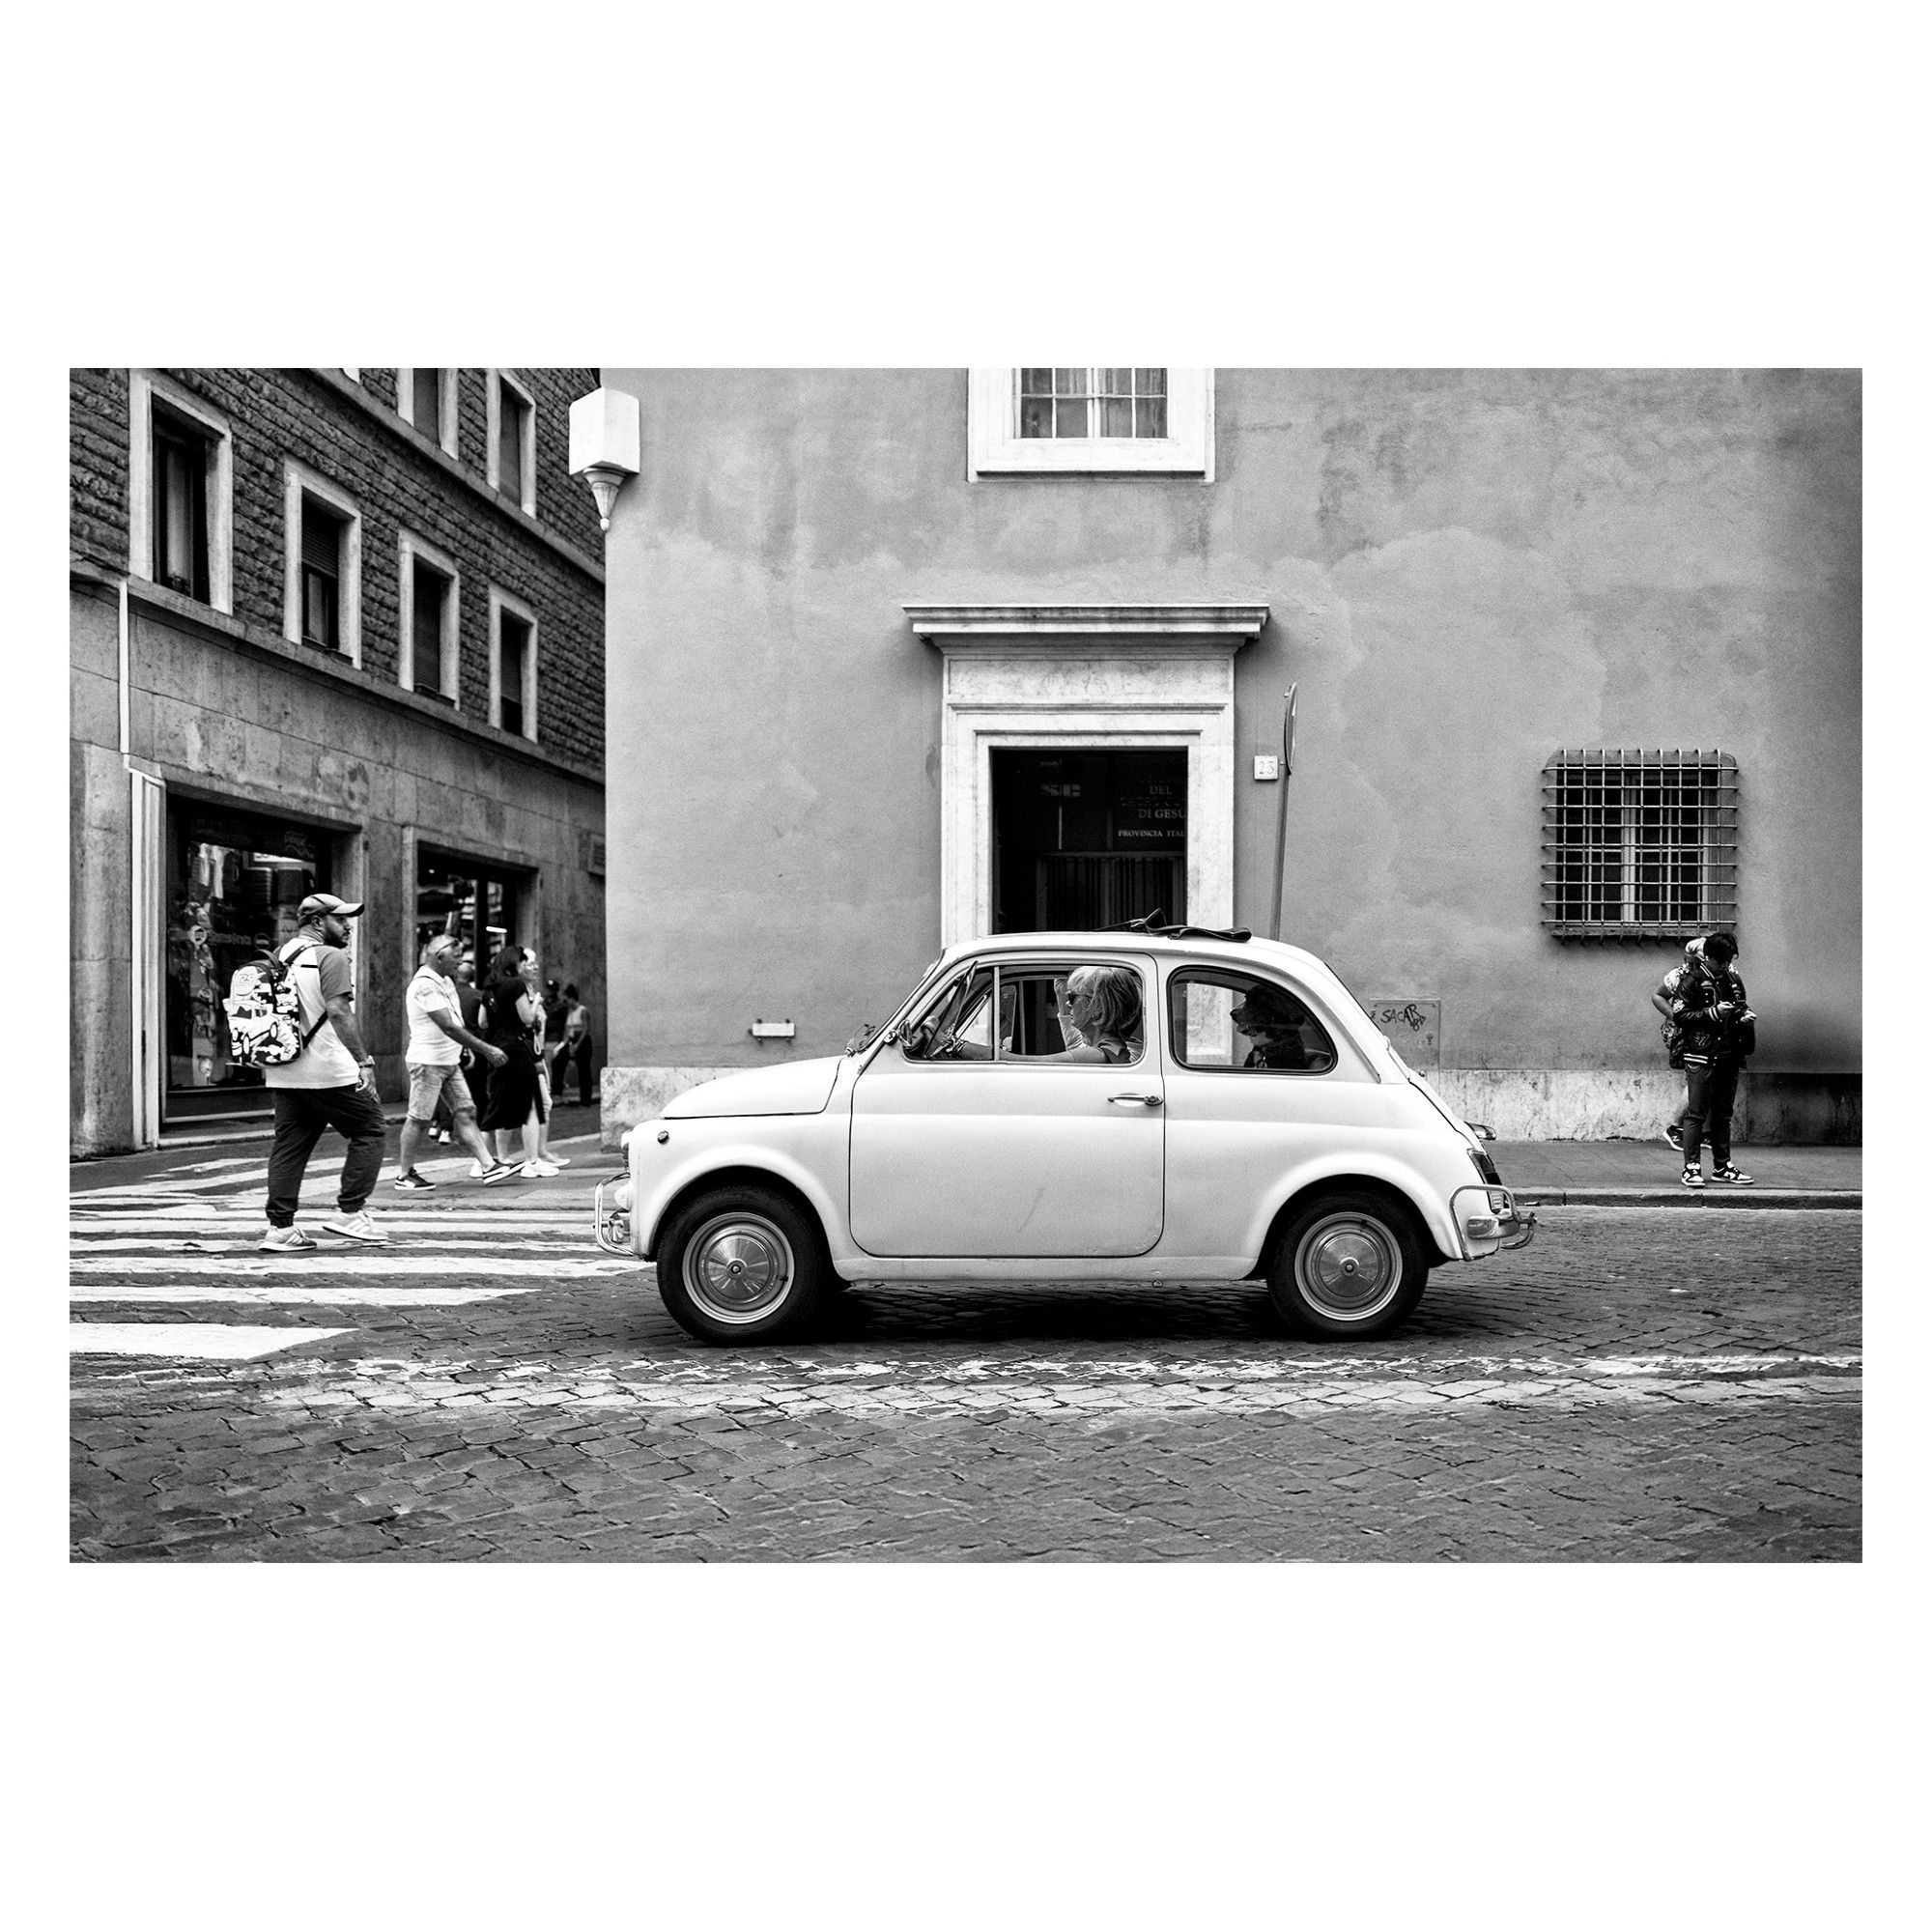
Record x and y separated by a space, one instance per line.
187 1241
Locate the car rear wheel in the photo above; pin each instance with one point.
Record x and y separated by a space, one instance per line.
1347 1266
742 1264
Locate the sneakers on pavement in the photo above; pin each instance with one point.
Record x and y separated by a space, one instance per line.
478 1169
555 1159
412 1182
536 1170
1674 1134
1729 1172
357 1227
1693 1176
290 1240
489 1175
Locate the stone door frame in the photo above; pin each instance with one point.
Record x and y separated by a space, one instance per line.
1084 677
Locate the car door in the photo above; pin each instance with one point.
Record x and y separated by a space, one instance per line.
970 1140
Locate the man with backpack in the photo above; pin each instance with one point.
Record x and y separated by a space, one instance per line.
1719 1032
330 1082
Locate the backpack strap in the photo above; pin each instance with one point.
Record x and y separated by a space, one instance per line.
306 957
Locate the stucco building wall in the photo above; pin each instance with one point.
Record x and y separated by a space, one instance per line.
1465 571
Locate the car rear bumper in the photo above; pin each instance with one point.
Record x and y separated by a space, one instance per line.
1488 1220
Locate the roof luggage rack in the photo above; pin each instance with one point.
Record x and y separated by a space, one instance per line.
1149 923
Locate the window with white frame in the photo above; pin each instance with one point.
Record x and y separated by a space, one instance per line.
513 665
426 400
427 658
322 583
180 491
1639 844
1093 421
511 458
1063 403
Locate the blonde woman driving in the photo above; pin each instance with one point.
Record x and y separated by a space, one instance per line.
1103 1004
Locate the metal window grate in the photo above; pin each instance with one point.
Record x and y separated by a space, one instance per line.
1639 844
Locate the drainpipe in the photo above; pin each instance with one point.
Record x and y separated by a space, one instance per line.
126 744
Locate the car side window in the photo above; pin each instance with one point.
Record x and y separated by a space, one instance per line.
957 1023
1227 1022
1037 1019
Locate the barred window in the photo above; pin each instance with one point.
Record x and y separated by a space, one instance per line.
1639 844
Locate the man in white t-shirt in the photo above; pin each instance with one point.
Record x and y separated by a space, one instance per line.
330 1083
437 1038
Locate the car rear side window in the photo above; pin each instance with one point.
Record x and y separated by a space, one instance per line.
1228 1022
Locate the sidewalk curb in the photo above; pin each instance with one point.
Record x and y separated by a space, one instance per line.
1685 1197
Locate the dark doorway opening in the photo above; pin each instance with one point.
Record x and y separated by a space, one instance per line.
1084 839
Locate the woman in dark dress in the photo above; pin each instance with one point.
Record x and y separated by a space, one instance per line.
513 1098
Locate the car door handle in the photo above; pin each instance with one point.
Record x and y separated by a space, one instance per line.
1134 1099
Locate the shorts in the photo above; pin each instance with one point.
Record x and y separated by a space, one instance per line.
430 1084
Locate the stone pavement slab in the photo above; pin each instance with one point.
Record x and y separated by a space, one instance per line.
1546 1170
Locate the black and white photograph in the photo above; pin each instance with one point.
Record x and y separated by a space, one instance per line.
872 1134
1039 963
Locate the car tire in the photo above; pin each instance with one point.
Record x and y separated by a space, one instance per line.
1348 1266
743 1264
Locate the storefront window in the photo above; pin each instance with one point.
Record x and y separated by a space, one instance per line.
235 881
470 899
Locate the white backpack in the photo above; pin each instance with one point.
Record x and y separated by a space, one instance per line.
264 1010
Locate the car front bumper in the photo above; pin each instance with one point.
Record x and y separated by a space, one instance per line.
610 1220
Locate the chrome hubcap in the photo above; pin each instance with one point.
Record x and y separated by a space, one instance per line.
738 1267
1348 1268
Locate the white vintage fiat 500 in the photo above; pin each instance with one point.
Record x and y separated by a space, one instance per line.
1155 1105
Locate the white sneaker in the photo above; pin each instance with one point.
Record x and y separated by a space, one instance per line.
536 1170
357 1227
556 1160
478 1169
290 1240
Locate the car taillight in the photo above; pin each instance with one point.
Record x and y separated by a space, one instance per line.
1486 1167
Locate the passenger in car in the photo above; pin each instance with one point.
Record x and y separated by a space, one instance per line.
1273 1019
1105 1003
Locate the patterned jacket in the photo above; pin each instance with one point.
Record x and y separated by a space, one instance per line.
1700 989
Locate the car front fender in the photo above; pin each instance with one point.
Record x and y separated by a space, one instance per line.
808 1152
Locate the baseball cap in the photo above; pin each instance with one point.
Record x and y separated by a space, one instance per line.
330 904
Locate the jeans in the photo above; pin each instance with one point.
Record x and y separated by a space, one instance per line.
301 1113
574 1052
1714 1091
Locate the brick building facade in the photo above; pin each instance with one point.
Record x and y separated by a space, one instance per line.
336 629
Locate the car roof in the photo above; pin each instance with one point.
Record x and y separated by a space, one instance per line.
1233 952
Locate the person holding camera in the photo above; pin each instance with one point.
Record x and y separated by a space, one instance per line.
1719 1032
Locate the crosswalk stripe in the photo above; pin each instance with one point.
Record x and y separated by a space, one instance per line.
443 1244
189 1341
284 1295
334 1261
421 1222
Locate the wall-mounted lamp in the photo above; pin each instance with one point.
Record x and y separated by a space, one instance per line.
605 444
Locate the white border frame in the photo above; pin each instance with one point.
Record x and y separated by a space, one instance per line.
409 548
500 602
492 432
1084 677
995 447
142 386
297 481
406 406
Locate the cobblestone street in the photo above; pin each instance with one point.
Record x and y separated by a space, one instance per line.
1637 1383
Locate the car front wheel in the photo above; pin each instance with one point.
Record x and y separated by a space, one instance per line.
742 1264
1348 1266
